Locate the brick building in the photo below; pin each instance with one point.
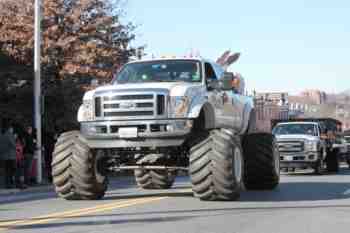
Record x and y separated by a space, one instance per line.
267 110
316 96
277 98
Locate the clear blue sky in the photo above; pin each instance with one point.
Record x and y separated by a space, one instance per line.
285 45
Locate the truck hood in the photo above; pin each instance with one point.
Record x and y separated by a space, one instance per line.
174 88
296 137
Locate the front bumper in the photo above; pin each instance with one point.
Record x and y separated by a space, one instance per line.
149 133
300 165
299 160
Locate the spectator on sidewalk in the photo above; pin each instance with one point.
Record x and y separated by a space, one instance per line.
29 148
49 145
20 168
8 152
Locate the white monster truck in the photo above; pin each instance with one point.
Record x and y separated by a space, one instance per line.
161 116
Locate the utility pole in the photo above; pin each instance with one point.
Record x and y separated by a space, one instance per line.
37 87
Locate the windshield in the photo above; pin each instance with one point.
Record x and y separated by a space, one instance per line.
286 129
160 71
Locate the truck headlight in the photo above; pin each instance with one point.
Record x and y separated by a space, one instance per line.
179 106
311 145
88 110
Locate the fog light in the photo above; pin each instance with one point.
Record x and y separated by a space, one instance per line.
170 128
311 157
189 124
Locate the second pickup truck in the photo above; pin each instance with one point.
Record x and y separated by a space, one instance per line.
307 143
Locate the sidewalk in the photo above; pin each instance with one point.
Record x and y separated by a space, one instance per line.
44 187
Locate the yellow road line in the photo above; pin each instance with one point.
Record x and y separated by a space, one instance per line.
117 206
76 213
64 213
57 214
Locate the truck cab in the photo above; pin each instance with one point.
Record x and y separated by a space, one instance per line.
159 100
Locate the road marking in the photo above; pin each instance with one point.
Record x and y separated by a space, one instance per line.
76 213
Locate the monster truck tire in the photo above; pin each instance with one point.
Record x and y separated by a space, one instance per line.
75 169
216 166
332 161
154 179
262 170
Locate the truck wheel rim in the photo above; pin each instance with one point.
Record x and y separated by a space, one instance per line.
98 163
238 165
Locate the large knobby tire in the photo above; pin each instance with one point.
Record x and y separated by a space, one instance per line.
332 161
216 166
75 170
154 179
262 170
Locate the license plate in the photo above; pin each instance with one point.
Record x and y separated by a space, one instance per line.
128 132
288 158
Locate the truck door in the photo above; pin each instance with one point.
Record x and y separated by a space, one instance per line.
238 103
228 105
215 96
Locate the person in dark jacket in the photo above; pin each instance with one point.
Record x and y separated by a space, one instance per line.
20 169
49 145
29 149
8 152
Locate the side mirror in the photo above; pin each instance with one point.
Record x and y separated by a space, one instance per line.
227 81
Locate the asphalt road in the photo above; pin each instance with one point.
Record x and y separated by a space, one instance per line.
302 203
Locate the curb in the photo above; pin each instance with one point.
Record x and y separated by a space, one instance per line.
44 188
37 189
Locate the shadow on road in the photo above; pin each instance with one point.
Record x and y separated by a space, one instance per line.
310 173
168 193
286 192
300 191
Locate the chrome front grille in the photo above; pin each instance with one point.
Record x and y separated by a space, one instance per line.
291 146
129 97
125 106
